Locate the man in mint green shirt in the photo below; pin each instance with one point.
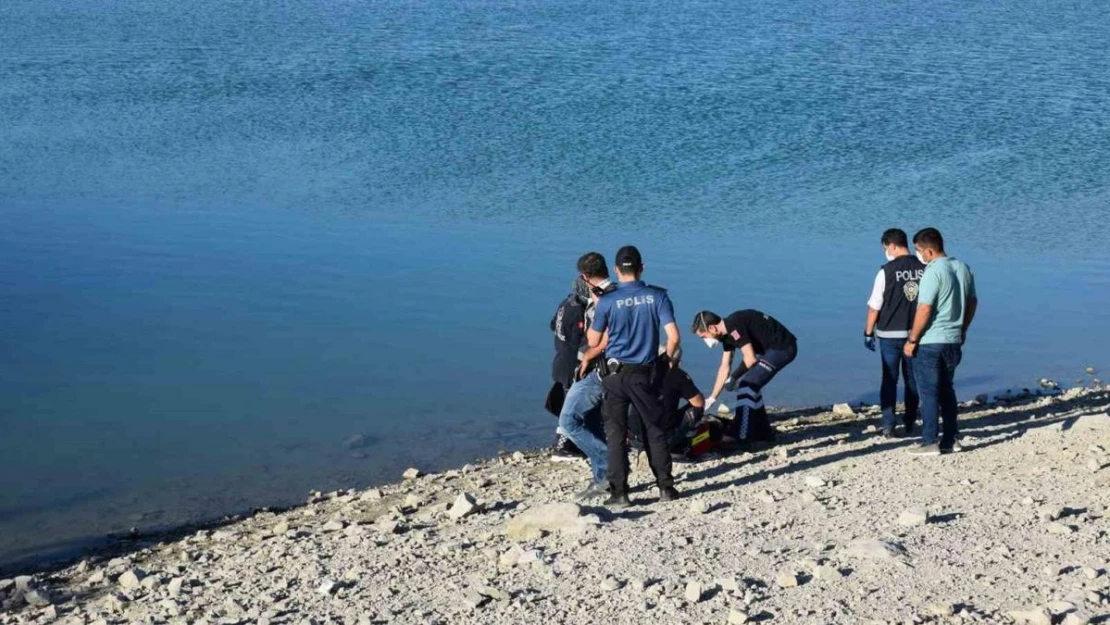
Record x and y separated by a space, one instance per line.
946 305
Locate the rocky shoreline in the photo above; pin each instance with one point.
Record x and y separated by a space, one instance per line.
835 525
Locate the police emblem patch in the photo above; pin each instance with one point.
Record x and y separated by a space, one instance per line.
735 335
910 289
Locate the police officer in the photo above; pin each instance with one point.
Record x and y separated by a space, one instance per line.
890 311
632 315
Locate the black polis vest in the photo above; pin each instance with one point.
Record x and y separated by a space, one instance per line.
903 276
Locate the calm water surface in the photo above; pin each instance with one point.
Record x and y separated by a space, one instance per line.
236 234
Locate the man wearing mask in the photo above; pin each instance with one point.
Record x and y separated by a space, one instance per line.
890 311
766 346
946 306
632 316
568 328
579 420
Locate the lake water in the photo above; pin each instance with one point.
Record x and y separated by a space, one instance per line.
235 234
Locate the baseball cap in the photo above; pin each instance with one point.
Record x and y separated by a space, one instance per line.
628 257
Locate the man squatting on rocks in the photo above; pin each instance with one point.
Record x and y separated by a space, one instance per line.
946 306
631 316
890 311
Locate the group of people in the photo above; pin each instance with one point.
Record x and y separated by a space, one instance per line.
618 381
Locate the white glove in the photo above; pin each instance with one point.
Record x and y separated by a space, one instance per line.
709 401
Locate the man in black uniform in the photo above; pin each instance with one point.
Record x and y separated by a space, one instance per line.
632 315
766 347
890 311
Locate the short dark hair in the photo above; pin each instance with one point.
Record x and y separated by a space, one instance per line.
592 265
895 236
703 320
929 238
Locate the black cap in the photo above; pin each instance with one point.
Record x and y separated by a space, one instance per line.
628 257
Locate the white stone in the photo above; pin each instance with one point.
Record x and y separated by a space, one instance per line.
693 592
328 587
814 481
737 617
566 518
843 410
1038 616
827 573
699 506
787 579
373 494
610 584
913 517
464 505
1060 529
1076 619
334 526
131 579
174 587
411 473
1061 607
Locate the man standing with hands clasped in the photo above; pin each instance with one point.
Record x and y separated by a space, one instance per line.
633 314
946 306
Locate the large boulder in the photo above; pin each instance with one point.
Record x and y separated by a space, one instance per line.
566 518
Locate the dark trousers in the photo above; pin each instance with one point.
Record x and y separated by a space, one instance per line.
752 422
894 362
637 386
934 368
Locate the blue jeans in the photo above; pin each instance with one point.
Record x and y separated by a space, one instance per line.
935 371
581 408
895 361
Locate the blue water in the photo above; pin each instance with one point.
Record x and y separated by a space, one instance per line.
235 234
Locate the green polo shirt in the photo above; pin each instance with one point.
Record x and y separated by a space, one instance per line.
947 286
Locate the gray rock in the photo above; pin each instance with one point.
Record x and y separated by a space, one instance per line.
411 473
511 557
1050 513
464 506
1039 616
698 506
372 494
693 592
565 518
131 579
843 410
1061 607
473 600
37 598
334 526
1076 618
24 583
494 593
151 583
1090 573
328 587
869 549
1094 464
814 481
174 588
827 573
913 517
281 528
610 584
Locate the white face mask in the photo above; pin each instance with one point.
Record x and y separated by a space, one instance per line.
889 257
710 342
920 257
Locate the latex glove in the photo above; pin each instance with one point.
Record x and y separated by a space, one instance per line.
869 342
709 401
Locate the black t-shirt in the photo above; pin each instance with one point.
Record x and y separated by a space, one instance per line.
759 329
677 386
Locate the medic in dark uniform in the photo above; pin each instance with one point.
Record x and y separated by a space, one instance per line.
766 347
632 316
